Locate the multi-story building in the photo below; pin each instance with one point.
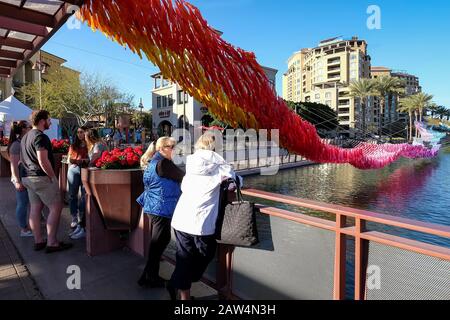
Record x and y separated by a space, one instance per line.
412 86
172 107
323 75
29 72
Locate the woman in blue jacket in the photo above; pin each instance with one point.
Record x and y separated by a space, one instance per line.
162 190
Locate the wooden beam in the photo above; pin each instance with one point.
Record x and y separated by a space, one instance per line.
26 15
22 26
8 63
5 71
11 55
16 43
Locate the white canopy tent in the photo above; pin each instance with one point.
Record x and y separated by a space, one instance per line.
12 110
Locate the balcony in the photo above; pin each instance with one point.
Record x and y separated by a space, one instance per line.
334 61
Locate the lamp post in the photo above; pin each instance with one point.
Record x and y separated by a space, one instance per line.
41 67
141 106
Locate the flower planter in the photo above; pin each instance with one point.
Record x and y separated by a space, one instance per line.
115 192
5 168
58 159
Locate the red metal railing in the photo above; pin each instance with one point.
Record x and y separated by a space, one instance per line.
341 230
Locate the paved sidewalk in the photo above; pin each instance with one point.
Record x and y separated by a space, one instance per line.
110 276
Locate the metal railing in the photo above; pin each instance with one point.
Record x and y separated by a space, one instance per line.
341 231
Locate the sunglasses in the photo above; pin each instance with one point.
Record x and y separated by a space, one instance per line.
171 146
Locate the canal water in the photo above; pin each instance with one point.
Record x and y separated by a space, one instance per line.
413 189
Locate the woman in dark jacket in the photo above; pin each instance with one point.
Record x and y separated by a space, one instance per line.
162 190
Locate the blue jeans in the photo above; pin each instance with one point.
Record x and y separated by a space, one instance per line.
22 208
76 205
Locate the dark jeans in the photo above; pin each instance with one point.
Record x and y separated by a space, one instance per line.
160 238
194 253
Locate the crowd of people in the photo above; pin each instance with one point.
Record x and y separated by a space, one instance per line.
185 201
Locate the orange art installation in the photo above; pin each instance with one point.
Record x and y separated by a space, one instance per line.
227 80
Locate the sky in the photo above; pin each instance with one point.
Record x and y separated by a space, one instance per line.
413 37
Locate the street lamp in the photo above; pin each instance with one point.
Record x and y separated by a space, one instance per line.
41 67
141 106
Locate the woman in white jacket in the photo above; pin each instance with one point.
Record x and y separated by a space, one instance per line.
194 219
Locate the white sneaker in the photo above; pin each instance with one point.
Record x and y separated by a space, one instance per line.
79 235
26 234
77 229
74 223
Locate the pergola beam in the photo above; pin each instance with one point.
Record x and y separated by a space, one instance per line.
21 26
8 63
5 71
11 55
26 15
16 43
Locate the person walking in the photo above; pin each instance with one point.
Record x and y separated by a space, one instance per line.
41 182
194 219
17 132
162 180
77 157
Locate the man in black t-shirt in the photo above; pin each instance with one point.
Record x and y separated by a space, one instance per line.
41 182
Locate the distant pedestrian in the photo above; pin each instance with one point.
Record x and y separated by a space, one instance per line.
41 182
17 132
162 180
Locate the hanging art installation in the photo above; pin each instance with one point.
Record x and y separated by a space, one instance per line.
227 80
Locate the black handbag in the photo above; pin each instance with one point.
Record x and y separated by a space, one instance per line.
236 224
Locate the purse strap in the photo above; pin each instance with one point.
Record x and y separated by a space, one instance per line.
239 193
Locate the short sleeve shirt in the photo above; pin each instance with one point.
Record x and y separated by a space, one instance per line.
32 142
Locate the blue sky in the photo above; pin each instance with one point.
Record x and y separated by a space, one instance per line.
413 37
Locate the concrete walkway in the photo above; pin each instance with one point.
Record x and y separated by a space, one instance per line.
26 274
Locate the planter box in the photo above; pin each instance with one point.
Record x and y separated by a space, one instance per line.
113 217
115 192
58 159
5 168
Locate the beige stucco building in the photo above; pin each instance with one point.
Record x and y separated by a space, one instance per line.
323 75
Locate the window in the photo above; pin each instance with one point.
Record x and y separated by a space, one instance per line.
164 102
157 82
158 102
180 95
328 103
165 82
328 95
317 96
170 100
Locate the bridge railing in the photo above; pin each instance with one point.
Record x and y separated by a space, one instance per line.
307 257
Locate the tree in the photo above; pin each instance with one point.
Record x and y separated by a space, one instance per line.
320 115
84 98
362 89
384 87
423 101
409 106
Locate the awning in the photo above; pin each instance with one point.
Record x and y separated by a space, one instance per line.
26 25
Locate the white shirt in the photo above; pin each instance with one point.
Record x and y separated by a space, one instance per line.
198 207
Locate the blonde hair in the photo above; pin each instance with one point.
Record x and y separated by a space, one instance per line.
206 142
154 147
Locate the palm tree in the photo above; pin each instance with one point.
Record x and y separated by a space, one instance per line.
362 89
384 87
433 108
423 101
408 105
441 112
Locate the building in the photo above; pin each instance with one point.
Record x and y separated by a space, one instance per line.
29 72
323 75
412 86
172 107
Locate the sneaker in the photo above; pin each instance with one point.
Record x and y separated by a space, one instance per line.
26 234
79 235
74 223
77 229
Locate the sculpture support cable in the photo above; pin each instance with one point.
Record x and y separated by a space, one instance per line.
227 80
